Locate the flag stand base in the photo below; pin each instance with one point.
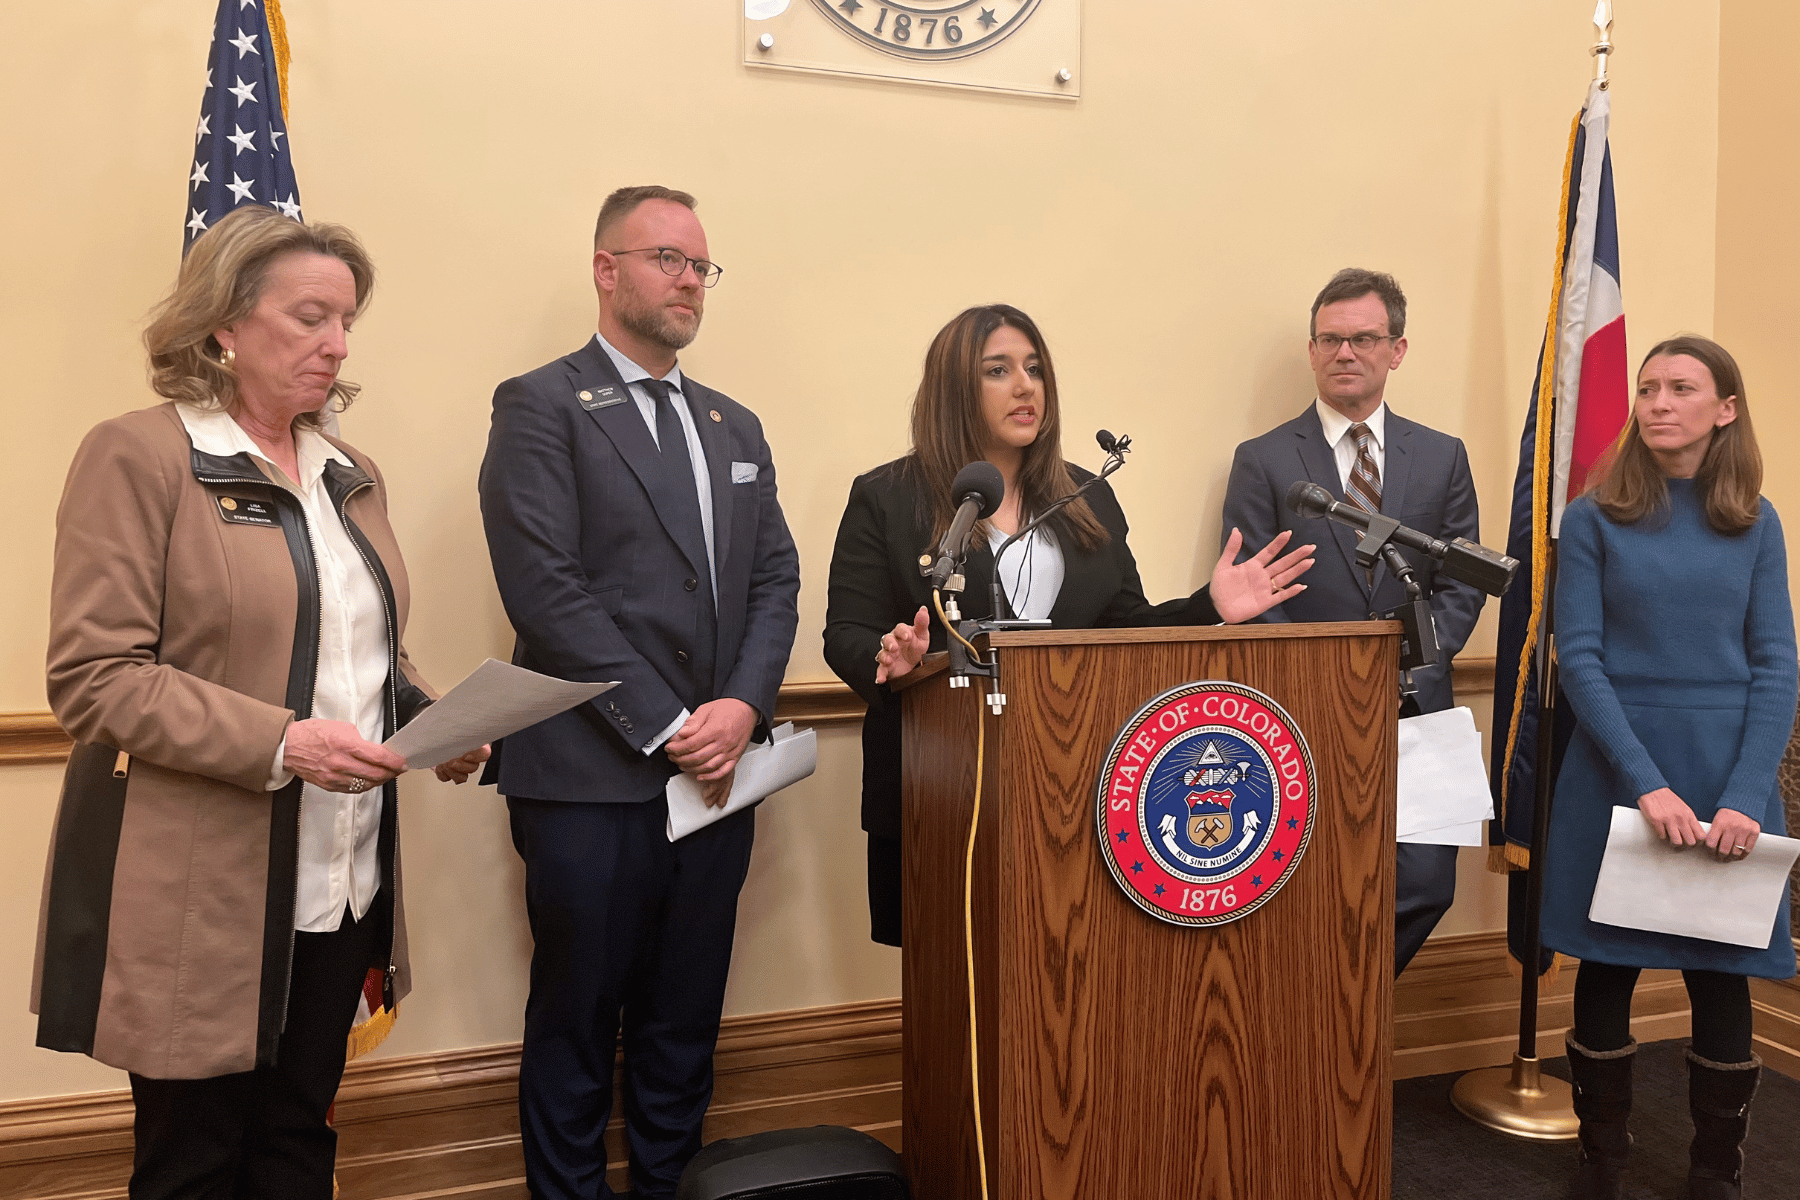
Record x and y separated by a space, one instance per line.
1518 1101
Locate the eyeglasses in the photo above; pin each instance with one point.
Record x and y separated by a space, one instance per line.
674 262
1362 343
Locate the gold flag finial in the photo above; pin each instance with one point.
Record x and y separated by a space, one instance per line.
1603 19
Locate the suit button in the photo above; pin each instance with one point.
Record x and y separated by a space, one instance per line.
681 656
690 584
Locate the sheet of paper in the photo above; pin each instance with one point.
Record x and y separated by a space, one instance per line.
1645 883
496 699
1472 834
763 770
1443 781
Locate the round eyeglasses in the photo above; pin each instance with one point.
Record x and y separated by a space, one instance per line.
674 262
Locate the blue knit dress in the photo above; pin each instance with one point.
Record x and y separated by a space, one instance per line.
1676 645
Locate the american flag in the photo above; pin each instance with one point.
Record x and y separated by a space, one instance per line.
240 145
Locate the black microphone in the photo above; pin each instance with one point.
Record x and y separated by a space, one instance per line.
978 490
1459 558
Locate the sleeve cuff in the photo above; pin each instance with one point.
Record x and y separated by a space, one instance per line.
650 747
279 776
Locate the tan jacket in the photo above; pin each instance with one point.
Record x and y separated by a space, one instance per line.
184 633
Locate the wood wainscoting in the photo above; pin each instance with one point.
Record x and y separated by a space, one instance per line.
35 737
446 1125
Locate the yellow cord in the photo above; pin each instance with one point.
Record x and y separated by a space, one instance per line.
969 939
937 602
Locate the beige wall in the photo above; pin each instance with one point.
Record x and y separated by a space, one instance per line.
1168 231
1758 245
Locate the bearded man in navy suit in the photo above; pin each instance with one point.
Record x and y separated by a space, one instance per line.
632 520
1348 442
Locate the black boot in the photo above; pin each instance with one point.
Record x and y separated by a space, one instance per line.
1602 1082
1719 1099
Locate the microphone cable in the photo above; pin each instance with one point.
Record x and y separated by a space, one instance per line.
937 602
969 940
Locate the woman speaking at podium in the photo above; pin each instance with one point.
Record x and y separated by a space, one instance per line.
1676 638
989 393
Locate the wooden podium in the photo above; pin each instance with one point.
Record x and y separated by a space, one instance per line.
1119 1055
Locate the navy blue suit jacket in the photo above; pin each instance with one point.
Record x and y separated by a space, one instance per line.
578 512
1426 486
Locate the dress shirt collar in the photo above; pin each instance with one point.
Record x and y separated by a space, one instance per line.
630 372
213 431
1336 424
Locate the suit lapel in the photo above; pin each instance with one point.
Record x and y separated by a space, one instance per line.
619 418
715 443
1320 465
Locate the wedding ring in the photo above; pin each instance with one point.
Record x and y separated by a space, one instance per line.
358 784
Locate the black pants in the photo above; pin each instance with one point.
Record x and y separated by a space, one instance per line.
1721 1010
261 1133
1424 890
631 942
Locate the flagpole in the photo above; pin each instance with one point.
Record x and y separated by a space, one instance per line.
1520 1100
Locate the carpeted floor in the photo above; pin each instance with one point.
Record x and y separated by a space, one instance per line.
1439 1154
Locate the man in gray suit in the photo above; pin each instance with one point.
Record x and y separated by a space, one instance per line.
1348 442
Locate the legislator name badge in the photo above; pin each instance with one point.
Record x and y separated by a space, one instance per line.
1207 800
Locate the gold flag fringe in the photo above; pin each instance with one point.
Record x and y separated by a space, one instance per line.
278 35
1509 856
370 1034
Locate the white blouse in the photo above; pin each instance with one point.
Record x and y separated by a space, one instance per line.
338 832
1031 572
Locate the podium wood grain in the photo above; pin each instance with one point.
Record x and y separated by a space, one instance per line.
1121 1055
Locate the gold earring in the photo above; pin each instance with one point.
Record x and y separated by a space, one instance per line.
228 356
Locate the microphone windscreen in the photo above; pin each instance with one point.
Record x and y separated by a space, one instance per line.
1107 441
979 479
1308 499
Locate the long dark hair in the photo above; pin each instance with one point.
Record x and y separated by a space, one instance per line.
1629 485
949 432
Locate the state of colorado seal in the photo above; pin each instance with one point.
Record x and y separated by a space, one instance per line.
1207 803
930 29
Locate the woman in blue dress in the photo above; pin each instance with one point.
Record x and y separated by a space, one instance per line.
1675 636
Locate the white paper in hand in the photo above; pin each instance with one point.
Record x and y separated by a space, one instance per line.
1443 784
764 769
1645 883
496 699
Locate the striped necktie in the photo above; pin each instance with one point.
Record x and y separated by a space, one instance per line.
1365 479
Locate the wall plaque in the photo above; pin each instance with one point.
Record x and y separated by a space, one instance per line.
1022 47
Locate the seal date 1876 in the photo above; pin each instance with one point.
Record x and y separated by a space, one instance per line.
930 29
1207 800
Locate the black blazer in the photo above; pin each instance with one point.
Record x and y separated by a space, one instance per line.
875 585
597 585
1426 486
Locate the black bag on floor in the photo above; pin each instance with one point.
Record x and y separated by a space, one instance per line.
826 1162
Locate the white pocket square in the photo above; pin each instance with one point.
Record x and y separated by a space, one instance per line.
743 472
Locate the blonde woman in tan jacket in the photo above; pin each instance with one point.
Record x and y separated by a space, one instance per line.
227 611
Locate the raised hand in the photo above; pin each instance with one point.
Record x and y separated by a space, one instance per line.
1248 589
902 649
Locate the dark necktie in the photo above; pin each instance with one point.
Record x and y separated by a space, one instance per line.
671 439
1365 478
